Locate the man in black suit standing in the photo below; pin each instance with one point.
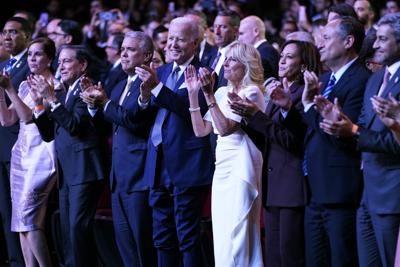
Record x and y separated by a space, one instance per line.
332 165
378 217
130 192
80 163
252 32
16 36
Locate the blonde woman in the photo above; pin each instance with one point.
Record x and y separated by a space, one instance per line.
236 188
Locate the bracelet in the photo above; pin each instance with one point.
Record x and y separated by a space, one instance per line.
194 109
211 105
39 107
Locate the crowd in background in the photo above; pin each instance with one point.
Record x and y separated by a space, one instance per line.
278 123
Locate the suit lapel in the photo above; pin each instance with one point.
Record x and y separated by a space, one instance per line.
117 92
135 84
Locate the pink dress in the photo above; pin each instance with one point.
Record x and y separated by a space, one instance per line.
32 174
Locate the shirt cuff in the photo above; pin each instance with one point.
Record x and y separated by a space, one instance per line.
38 113
143 105
106 105
308 106
54 107
157 89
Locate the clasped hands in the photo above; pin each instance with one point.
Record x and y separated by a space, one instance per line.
92 94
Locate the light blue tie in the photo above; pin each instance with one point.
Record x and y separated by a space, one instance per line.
8 68
328 89
156 134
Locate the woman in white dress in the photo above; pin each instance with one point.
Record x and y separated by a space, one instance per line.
236 188
32 170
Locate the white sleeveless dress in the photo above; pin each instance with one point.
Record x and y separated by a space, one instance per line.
236 190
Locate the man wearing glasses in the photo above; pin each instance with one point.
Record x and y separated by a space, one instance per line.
16 36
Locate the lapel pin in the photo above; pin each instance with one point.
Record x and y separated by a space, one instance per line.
396 80
18 65
128 93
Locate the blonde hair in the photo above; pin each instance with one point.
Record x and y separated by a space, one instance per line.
250 58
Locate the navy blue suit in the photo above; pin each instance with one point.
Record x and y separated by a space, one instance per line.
177 169
8 136
269 59
80 166
208 55
130 206
378 217
334 178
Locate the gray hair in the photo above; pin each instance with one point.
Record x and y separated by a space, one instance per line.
145 42
194 28
393 21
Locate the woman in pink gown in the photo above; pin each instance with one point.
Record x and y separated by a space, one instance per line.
32 170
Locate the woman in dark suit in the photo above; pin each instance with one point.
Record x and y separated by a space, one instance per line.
279 132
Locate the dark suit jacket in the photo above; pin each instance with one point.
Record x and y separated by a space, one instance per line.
130 135
333 164
282 145
113 77
8 135
269 59
380 151
77 140
189 159
208 55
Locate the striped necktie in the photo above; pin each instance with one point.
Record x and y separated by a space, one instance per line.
328 89
8 68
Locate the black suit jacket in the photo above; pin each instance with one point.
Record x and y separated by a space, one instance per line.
269 59
77 141
8 135
333 164
282 145
380 151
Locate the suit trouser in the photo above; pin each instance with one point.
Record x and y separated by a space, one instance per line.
77 209
376 237
284 236
132 220
330 235
15 257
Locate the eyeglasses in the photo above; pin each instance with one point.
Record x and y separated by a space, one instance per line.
55 34
11 32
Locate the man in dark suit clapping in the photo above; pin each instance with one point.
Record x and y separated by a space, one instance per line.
80 163
130 191
179 165
332 165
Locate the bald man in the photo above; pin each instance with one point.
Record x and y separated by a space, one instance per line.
252 31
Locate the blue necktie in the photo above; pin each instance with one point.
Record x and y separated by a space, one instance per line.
156 134
215 62
8 68
329 87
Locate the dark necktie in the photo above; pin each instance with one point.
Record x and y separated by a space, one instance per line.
8 68
328 89
156 134
215 62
